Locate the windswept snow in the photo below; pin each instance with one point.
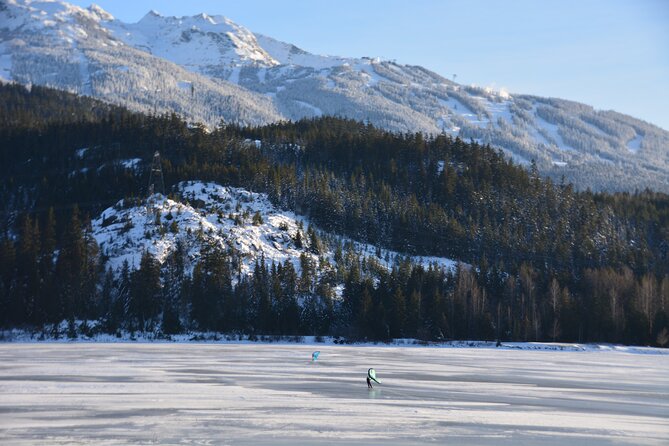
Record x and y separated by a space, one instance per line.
113 394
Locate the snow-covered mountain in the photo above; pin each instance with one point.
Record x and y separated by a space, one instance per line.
71 48
241 223
208 68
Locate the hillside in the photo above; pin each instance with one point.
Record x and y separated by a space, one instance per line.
242 223
207 69
371 217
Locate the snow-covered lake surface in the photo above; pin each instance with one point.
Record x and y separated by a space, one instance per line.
242 394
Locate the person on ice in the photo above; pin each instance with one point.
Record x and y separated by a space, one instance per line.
371 375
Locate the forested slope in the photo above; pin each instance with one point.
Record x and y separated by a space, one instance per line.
545 262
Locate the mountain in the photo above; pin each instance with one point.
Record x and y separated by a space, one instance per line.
207 68
324 226
204 215
67 47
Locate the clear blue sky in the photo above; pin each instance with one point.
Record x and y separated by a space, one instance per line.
611 54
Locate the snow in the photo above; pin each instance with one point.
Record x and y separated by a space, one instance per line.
133 163
47 16
80 153
602 159
518 159
495 110
552 131
111 394
288 54
83 71
5 65
312 109
499 110
456 107
101 13
234 75
634 144
81 171
380 255
121 234
211 215
262 74
197 43
185 85
366 68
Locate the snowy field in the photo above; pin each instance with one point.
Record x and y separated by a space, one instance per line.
102 394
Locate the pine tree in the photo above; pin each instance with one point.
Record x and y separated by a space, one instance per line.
48 291
145 293
24 300
173 289
8 281
70 269
398 314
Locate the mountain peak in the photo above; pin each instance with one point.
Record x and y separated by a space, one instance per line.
101 13
204 43
150 16
206 18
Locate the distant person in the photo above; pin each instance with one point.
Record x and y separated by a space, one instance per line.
371 375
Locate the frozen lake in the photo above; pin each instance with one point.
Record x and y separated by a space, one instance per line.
109 394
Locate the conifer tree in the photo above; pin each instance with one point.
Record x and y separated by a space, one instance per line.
145 293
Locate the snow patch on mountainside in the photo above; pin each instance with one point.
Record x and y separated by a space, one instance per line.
552 133
221 217
633 145
287 54
314 110
53 18
232 219
201 42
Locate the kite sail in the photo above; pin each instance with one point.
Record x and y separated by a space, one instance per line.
371 373
314 356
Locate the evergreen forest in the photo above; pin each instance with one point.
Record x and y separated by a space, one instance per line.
539 260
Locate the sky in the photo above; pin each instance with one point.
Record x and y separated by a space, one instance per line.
611 54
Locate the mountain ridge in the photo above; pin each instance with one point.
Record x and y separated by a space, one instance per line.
207 68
